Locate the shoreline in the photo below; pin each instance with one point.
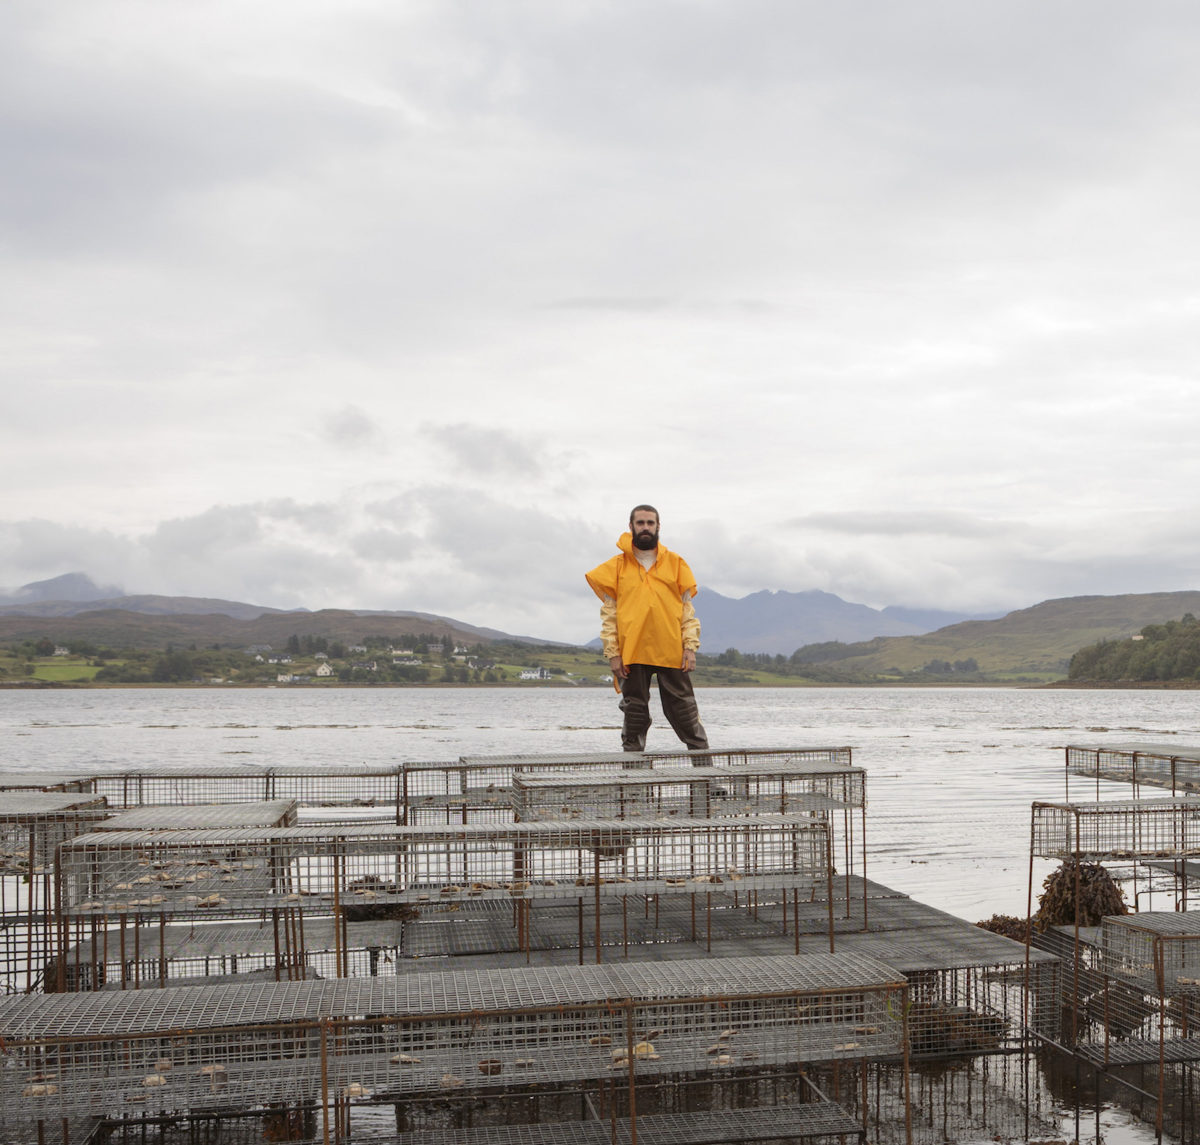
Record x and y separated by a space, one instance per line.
1052 685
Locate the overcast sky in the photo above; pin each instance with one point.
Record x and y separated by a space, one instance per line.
398 304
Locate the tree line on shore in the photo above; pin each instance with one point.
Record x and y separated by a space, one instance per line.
1166 652
1160 652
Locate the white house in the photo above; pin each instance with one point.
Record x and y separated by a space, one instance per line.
324 670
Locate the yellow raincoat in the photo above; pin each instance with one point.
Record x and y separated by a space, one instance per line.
654 620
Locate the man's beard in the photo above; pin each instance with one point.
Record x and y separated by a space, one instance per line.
646 540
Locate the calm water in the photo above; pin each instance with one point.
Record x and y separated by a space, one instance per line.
951 772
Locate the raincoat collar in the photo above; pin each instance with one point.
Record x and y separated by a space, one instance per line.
625 544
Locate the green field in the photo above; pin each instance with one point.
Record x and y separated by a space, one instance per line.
50 670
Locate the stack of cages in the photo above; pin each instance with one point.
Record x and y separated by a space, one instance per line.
1168 767
1126 1009
143 934
609 880
1142 1013
173 897
686 1041
821 783
32 825
1137 837
143 881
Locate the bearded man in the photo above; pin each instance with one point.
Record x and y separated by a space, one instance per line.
649 629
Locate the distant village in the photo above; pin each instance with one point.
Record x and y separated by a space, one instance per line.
303 660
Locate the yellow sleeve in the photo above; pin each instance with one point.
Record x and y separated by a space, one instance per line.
690 625
608 627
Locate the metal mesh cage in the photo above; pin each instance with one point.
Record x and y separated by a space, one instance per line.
218 871
694 791
239 1046
1159 950
1121 829
32 825
182 817
309 786
46 781
1171 766
145 953
476 786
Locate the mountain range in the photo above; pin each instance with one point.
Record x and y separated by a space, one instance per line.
767 621
74 604
851 640
781 622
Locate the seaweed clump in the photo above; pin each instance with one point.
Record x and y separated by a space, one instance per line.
1099 895
1007 925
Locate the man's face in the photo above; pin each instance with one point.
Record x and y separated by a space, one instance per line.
644 528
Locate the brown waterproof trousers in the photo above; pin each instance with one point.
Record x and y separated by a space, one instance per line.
678 703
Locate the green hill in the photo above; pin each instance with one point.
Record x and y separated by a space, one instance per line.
1035 643
118 628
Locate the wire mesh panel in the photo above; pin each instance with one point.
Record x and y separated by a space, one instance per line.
242 1046
269 813
477 789
1159 950
980 1010
32 825
1172 766
461 792
46 781
167 871
834 758
694 791
725 757
142 954
308 786
1121 829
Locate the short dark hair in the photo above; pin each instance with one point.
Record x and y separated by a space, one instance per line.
645 508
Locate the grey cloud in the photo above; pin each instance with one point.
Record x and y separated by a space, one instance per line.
95 163
632 305
217 530
317 519
36 549
486 552
902 523
484 451
388 545
350 427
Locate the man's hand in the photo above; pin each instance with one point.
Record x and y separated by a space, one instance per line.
689 659
619 670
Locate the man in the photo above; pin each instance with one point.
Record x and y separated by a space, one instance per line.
649 628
